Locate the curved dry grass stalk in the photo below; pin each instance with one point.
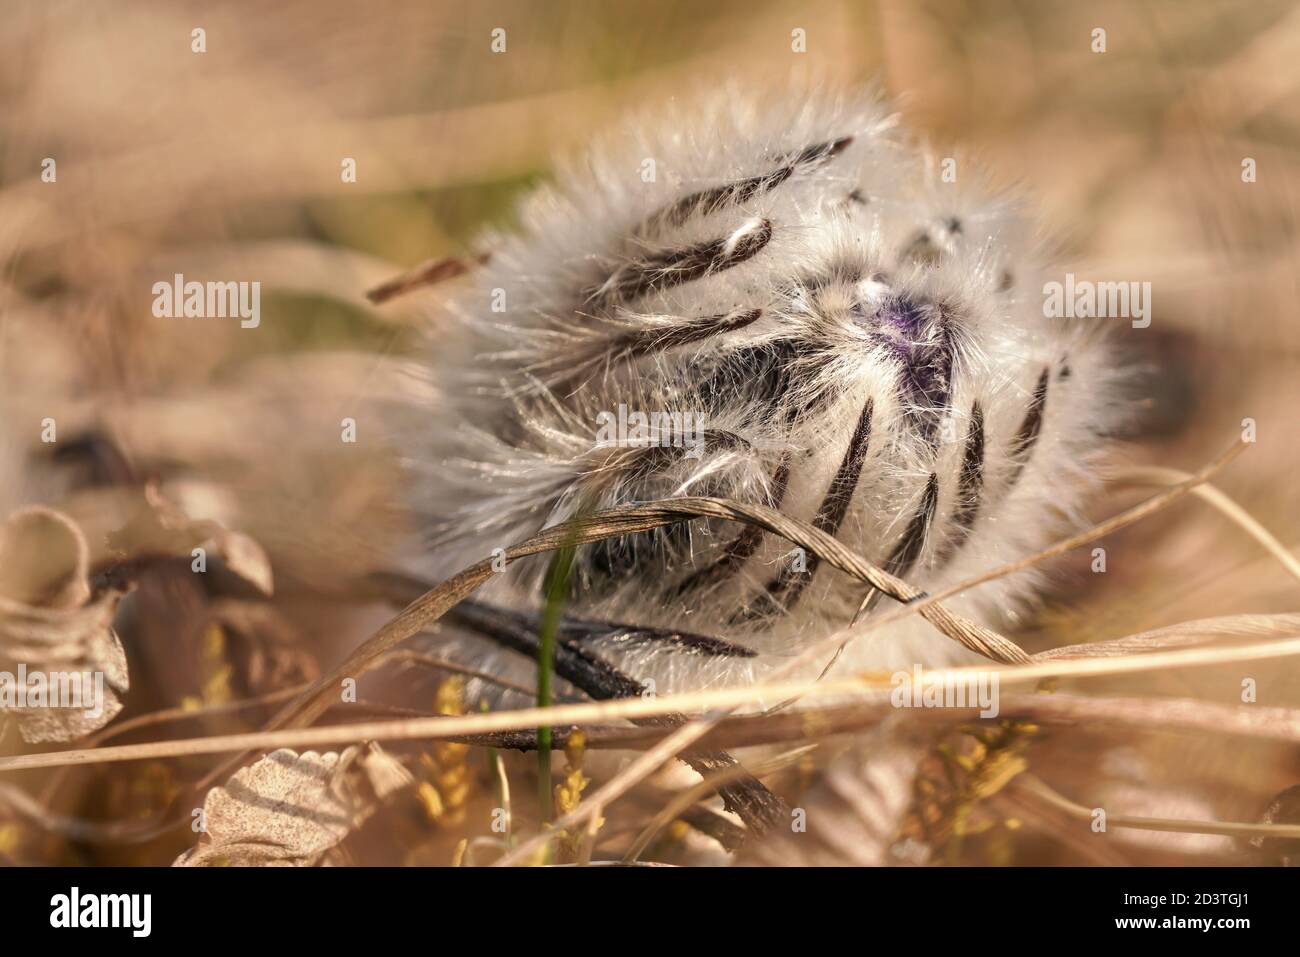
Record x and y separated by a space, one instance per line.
1160 715
622 521
608 524
86 831
1043 791
628 520
867 689
1156 475
687 797
1182 635
1114 523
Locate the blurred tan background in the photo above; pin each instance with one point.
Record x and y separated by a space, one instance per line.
226 164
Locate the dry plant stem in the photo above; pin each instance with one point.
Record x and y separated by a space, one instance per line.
426 274
589 839
1040 789
1280 724
870 689
503 790
165 715
701 789
616 864
1170 715
1163 715
624 521
1054 825
1112 524
434 603
1185 715
1183 635
1166 715
609 524
176 714
445 596
1161 476
193 714
1152 505
689 734
73 828
746 795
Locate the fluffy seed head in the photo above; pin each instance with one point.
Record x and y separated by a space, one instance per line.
779 301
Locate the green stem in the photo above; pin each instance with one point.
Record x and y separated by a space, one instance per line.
556 587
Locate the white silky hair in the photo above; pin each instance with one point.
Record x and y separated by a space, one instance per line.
862 333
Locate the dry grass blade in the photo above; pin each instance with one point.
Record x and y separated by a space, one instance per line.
1185 715
691 733
1101 529
426 274
368 268
1042 791
701 789
870 688
745 795
1154 475
1183 635
618 522
608 524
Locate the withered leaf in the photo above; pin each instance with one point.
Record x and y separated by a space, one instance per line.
291 810
53 634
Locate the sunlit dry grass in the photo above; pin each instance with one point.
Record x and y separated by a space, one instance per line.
226 164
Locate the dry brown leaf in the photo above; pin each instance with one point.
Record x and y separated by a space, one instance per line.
291 810
51 627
